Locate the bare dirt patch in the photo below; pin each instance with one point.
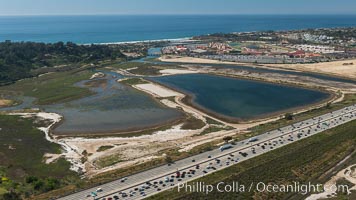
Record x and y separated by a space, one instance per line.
345 68
179 59
5 102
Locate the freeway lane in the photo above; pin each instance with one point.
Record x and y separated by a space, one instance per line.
155 180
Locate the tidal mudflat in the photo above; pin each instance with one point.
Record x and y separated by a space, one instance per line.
114 107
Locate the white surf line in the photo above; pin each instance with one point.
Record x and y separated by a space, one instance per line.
184 39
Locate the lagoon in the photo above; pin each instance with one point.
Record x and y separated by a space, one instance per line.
240 99
113 108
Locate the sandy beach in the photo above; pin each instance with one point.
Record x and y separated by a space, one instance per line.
157 90
166 72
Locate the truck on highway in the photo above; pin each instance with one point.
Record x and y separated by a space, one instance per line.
254 139
225 147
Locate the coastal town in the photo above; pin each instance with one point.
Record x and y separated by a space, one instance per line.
285 47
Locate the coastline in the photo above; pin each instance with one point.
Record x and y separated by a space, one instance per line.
183 39
188 102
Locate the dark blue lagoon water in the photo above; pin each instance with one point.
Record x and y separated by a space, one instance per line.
119 28
240 99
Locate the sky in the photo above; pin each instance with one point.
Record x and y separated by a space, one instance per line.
145 7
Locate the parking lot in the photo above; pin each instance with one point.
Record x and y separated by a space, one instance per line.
152 181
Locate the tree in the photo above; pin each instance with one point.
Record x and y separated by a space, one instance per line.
288 116
227 139
38 185
51 184
20 60
169 159
328 105
11 196
31 179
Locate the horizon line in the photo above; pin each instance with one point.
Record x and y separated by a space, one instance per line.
179 14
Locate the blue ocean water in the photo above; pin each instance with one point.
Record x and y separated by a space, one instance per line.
119 28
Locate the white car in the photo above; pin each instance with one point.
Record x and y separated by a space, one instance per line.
166 179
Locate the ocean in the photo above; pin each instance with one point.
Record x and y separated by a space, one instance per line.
123 28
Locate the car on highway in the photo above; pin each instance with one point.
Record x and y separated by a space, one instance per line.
217 160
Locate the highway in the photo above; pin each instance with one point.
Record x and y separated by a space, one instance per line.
153 181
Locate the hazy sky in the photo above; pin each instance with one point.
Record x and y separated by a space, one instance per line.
92 7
